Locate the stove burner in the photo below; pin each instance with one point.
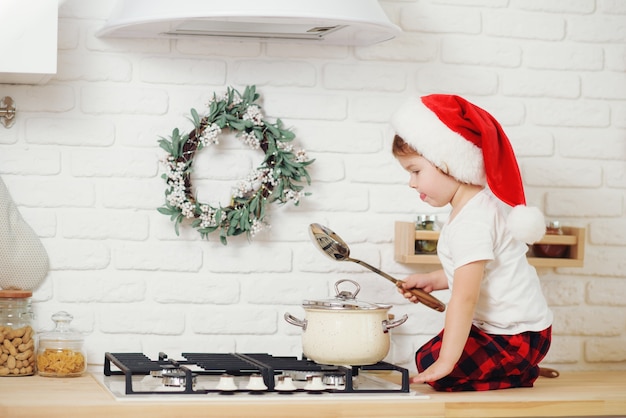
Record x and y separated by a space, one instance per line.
334 379
302 376
224 373
176 378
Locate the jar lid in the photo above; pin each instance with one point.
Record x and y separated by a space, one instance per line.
344 300
15 294
62 330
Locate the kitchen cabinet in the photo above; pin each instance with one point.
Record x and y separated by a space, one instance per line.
405 236
28 41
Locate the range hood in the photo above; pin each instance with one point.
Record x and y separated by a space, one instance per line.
335 22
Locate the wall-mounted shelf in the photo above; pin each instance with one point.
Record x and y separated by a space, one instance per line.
405 236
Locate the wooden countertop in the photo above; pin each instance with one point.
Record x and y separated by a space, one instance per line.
571 394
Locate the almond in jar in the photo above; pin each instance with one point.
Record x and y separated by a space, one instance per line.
61 352
17 338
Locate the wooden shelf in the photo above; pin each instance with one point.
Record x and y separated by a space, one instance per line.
405 236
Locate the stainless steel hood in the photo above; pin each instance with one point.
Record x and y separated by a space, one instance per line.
335 22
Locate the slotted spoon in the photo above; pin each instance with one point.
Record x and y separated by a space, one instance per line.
334 247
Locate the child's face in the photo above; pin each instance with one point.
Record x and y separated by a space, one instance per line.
435 188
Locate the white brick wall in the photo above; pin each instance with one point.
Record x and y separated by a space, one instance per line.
81 162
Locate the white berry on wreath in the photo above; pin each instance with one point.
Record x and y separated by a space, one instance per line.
278 178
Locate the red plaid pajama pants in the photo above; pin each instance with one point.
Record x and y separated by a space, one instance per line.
489 361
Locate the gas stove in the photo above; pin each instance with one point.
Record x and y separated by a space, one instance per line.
135 376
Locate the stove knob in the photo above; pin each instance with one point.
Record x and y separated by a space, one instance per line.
285 384
314 383
256 383
226 383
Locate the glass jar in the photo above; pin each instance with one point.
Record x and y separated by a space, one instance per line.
552 250
61 352
17 337
426 223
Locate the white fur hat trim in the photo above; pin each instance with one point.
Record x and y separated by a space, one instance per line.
450 151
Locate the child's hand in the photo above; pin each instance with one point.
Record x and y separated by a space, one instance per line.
435 372
419 281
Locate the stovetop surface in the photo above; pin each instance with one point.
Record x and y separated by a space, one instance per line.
135 376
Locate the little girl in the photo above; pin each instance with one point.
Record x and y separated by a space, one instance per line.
498 325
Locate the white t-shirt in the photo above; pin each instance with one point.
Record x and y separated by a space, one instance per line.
510 300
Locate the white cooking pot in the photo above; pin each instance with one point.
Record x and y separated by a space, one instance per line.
344 331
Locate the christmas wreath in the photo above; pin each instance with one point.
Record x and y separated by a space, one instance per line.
278 178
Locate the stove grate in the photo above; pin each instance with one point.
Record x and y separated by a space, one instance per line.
237 364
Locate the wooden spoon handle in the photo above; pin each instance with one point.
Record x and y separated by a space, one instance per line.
424 297
548 372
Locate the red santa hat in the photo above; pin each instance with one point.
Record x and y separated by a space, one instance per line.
469 144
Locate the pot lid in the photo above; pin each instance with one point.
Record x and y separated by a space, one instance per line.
344 300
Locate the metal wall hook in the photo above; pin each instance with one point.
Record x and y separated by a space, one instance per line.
7 111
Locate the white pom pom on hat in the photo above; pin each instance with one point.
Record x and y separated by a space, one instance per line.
526 223
468 143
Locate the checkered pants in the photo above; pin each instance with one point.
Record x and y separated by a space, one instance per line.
488 361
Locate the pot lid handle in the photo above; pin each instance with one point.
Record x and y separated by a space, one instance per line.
344 294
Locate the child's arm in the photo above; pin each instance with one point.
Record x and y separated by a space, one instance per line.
458 322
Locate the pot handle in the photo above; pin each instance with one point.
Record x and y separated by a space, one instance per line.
387 324
298 322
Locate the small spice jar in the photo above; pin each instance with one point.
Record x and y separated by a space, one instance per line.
552 250
61 352
426 223
17 338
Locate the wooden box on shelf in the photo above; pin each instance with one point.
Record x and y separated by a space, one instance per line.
405 236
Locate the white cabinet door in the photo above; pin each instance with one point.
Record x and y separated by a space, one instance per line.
28 41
